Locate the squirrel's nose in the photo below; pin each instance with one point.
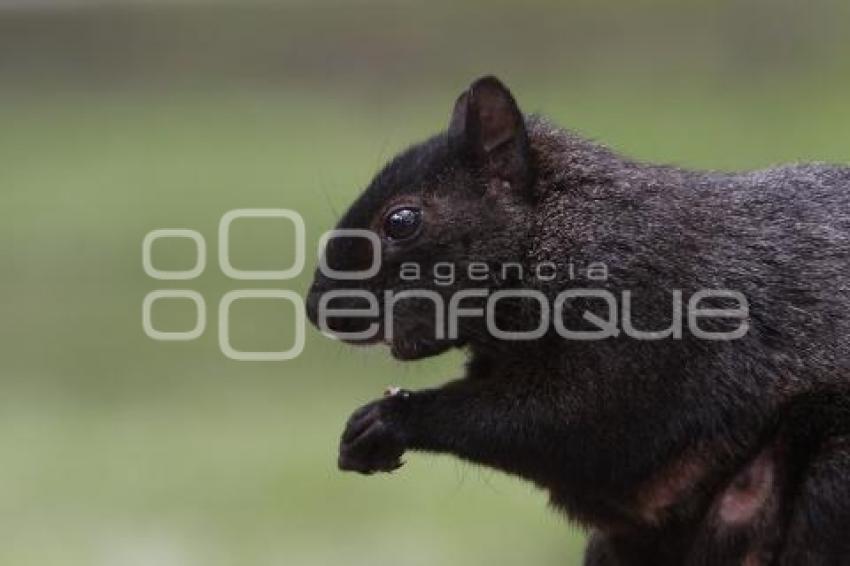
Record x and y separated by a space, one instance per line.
312 304
333 320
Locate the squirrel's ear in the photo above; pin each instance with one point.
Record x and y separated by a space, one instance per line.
488 127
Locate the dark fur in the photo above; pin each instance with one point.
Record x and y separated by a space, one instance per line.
645 442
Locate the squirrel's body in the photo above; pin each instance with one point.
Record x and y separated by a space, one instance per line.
675 451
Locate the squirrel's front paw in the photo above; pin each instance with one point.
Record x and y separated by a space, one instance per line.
373 439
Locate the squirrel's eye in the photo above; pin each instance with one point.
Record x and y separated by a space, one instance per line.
402 223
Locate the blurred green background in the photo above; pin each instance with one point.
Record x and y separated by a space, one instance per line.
117 118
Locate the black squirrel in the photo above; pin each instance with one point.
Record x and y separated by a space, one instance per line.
678 450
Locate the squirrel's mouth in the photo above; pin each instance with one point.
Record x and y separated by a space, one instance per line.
406 342
403 348
371 341
408 349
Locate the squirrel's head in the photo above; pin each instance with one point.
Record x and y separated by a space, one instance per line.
447 215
